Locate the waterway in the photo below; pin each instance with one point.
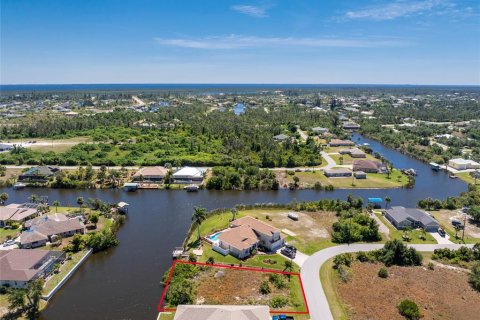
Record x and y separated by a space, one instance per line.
123 283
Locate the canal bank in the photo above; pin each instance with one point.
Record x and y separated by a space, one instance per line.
123 282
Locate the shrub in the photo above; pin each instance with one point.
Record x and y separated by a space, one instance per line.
192 257
317 185
397 253
277 281
278 302
265 288
211 260
383 273
431 266
475 277
344 259
3 290
363 256
409 309
343 273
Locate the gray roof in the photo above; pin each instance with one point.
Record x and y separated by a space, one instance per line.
400 214
219 312
280 137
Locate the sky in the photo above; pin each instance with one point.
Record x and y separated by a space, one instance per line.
222 41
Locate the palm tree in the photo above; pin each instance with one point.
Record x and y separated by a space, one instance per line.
234 213
3 198
34 198
80 202
387 201
199 215
56 203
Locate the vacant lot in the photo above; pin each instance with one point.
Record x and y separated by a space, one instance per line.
445 217
57 145
443 293
230 286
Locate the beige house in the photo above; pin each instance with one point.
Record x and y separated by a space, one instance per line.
354 153
150 174
463 164
341 143
246 235
16 213
222 312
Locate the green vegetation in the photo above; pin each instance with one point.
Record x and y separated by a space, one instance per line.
475 276
409 309
354 227
328 278
463 256
69 263
25 301
249 178
383 272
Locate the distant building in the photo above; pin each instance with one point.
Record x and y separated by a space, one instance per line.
463 164
320 130
281 137
360 175
6 147
222 312
20 266
38 174
402 217
341 143
153 174
368 166
15 212
354 153
341 172
351 126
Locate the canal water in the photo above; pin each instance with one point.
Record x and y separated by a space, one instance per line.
123 283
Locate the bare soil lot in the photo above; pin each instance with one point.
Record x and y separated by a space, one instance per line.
443 293
445 218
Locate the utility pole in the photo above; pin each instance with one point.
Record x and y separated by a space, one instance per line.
464 226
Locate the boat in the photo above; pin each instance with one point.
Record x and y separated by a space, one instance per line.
130 186
293 216
19 185
435 166
410 172
452 176
177 252
191 188
122 207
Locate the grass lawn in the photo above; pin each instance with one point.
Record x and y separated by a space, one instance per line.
328 278
4 233
465 176
57 145
397 234
373 181
313 229
64 269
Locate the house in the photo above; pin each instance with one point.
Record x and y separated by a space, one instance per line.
152 174
38 174
222 312
20 266
281 137
463 164
188 175
402 217
246 235
341 143
42 230
368 166
336 173
360 175
320 130
351 126
353 152
16 213
6 147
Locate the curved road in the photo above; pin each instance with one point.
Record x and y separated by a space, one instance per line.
310 273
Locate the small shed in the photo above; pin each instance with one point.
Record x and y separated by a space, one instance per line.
360 175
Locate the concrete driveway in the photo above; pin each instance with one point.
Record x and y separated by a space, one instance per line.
299 260
440 239
310 273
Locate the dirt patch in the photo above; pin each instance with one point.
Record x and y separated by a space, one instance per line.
446 216
442 293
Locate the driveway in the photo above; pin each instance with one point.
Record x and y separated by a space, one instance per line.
440 239
330 162
299 260
381 226
310 273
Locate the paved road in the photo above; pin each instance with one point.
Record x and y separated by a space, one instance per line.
310 273
330 162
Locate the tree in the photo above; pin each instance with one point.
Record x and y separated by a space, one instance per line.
27 300
77 242
56 204
288 265
16 300
34 198
3 198
387 201
234 213
409 309
80 202
93 217
199 215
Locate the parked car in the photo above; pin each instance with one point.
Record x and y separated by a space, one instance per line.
441 232
289 251
458 224
9 243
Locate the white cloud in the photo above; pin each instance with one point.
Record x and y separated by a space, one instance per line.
253 11
398 9
239 42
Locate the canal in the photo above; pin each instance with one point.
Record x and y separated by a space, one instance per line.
123 283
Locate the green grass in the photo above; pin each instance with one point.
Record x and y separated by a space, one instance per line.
4 233
328 279
465 176
167 316
398 234
64 269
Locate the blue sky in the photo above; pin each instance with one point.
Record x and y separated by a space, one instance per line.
220 41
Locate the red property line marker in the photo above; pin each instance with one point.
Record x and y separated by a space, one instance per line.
225 266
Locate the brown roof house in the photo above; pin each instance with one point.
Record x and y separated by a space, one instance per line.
219 312
20 266
44 228
246 235
368 166
15 212
152 174
341 143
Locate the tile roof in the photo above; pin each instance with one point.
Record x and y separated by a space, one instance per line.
221 312
19 264
151 171
241 237
255 224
